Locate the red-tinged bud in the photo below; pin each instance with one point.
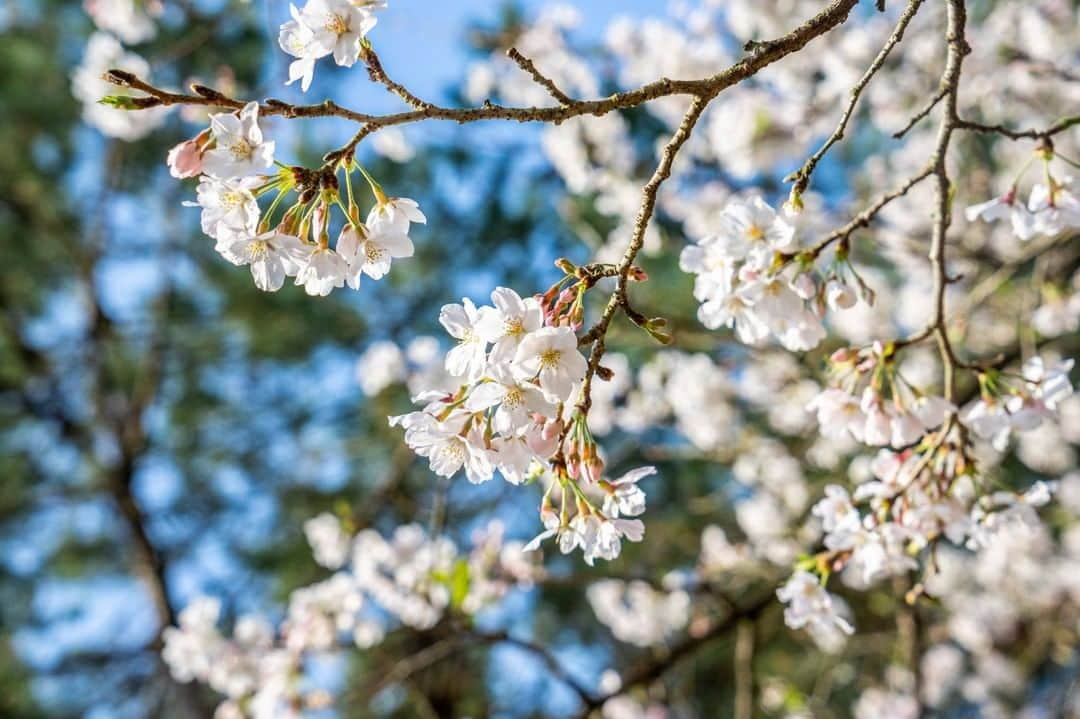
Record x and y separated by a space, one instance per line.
577 316
605 373
841 356
593 469
573 466
186 159
637 274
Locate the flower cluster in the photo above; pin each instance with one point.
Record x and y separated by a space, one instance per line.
745 279
1008 402
928 492
232 157
518 367
413 577
326 27
1051 209
873 402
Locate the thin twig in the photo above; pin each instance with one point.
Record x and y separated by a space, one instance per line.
378 74
648 673
801 177
864 218
619 297
538 77
1033 134
926 109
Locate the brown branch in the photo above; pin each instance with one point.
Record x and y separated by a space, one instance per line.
744 669
801 177
957 49
1033 134
619 298
547 658
764 54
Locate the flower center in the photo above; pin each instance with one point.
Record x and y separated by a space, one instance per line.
258 250
336 24
373 252
513 399
549 359
241 149
514 327
231 199
755 232
454 450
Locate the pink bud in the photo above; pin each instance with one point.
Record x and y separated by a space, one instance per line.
840 356
186 159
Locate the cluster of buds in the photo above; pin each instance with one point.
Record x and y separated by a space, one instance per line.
582 457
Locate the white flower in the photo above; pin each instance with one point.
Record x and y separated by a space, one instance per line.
713 260
127 19
338 25
273 256
837 413
1051 384
734 310
838 295
876 552
324 270
469 358
397 212
511 321
552 526
1055 210
1023 224
299 40
550 355
381 365
624 496
990 420
229 207
448 450
602 538
810 606
240 149
370 250
835 510
759 228
516 400
512 456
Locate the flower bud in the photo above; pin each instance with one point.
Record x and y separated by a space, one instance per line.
185 160
838 295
